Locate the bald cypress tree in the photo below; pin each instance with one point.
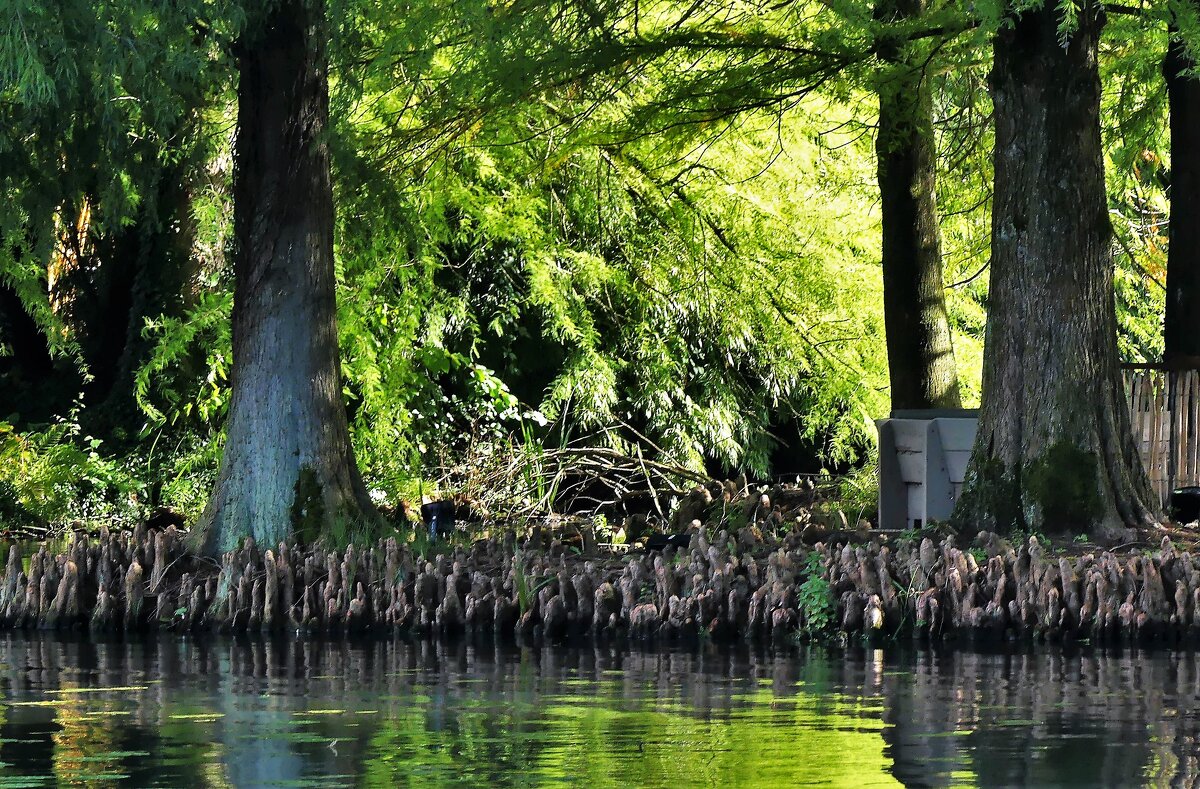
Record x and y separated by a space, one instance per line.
288 466
1054 450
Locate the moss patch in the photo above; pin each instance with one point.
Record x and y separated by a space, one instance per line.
992 500
308 506
1062 485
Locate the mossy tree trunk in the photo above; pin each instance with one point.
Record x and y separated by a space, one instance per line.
920 352
1182 323
288 464
1054 451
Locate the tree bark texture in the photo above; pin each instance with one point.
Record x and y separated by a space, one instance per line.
1054 450
920 351
288 467
1181 330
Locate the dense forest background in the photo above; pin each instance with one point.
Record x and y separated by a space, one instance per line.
649 227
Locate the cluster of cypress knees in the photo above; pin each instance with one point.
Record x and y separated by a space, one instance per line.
734 586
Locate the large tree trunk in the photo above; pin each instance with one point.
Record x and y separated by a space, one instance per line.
920 353
1182 324
1054 450
288 467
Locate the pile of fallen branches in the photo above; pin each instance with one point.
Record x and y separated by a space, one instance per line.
594 480
498 483
503 480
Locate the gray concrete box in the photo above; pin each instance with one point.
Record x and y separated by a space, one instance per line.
923 459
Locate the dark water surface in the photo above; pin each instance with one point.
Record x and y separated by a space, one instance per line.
180 712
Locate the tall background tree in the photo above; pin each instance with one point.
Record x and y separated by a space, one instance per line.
1181 326
921 364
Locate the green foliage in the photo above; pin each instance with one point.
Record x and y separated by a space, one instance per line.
721 263
340 532
88 120
521 584
59 475
647 226
165 391
858 491
1137 167
815 599
1022 537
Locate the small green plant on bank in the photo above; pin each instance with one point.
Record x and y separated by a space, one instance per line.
521 583
980 555
905 595
816 600
858 491
1021 537
421 543
533 470
934 529
733 519
342 532
526 585
601 528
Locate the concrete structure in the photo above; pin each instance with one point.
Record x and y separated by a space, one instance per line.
923 459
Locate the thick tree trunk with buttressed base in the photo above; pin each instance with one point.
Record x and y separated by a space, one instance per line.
288 467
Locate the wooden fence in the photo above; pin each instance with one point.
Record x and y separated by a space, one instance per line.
1164 406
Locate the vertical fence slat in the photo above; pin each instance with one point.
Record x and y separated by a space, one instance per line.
1173 383
1164 434
1194 434
1185 430
1183 402
1152 418
1162 423
1138 416
1179 431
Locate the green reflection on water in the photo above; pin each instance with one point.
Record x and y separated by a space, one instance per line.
597 739
217 712
598 733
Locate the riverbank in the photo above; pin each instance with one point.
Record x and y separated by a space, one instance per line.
725 587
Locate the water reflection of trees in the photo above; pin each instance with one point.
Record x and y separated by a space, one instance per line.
1094 718
240 712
